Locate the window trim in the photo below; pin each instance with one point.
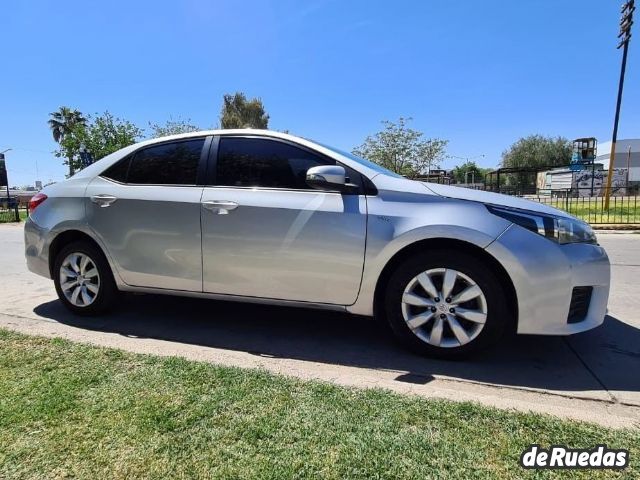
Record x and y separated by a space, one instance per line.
212 169
200 171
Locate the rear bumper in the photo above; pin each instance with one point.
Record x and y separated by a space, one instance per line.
544 275
36 248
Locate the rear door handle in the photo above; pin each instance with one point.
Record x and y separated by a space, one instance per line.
103 200
220 207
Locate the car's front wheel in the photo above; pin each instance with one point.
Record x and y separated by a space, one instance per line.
445 303
83 279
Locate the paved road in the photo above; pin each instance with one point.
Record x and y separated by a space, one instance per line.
593 376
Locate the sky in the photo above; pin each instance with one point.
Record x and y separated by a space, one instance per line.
480 74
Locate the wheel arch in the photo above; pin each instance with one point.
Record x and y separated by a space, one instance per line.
446 243
66 237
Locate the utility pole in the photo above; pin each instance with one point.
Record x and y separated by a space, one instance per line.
625 34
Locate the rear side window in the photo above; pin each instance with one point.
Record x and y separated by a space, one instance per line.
166 164
257 162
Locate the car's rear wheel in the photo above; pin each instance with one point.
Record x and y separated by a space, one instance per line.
83 279
446 303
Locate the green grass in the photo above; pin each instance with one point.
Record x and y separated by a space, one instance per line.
69 410
8 216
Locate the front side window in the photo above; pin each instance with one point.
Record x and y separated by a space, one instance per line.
167 164
258 162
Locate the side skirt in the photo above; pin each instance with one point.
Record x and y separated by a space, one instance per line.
234 298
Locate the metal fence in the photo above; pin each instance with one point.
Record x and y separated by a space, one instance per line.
624 202
623 209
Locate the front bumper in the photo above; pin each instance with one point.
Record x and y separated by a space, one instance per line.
36 248
544 275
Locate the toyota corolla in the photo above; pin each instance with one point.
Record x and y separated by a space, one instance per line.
261 216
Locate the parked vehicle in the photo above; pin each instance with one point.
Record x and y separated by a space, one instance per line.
261 216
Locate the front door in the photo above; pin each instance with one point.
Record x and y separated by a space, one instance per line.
266 234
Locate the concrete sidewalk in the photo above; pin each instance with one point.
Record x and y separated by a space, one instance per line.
592 376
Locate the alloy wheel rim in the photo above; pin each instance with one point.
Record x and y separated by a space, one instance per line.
444 307
79 279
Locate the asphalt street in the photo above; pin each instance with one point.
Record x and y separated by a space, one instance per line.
593 376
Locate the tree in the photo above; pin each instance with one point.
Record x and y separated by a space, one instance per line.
238 112
537 151
534 151
470 171
104 134
402 149
172 127
62 123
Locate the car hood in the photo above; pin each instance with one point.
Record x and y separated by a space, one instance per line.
404 185
492 198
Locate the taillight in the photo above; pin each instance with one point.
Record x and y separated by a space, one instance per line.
36 200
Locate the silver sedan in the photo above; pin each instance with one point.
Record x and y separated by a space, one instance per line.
261 216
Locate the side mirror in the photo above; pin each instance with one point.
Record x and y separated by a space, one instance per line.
330 177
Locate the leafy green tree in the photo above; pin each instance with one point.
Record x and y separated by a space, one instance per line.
62 123
402 149
470 171
536 151
238 112
172 127
102 135
531 152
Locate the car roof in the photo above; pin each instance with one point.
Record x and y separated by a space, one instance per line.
101 165
229 131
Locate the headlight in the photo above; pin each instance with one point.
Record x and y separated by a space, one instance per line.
559 229
574 231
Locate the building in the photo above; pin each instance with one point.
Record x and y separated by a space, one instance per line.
622 149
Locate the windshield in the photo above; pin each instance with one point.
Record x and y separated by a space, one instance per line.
362 161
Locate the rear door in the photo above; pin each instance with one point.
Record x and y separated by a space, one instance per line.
267 234
146 211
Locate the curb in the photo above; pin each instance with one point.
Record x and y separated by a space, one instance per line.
616 228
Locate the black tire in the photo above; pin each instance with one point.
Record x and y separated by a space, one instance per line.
497 310
107 293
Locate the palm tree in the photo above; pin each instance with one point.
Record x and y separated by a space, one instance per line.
62 122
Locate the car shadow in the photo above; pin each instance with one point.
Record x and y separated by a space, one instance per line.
538 362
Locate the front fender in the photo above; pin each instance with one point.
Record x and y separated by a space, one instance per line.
389 233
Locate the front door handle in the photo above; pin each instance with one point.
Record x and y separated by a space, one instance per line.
103 200
221 207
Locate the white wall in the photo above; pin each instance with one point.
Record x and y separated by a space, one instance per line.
622 146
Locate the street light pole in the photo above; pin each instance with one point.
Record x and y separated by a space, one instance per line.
625 34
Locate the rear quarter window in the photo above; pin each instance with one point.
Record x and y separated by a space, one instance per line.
118 171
